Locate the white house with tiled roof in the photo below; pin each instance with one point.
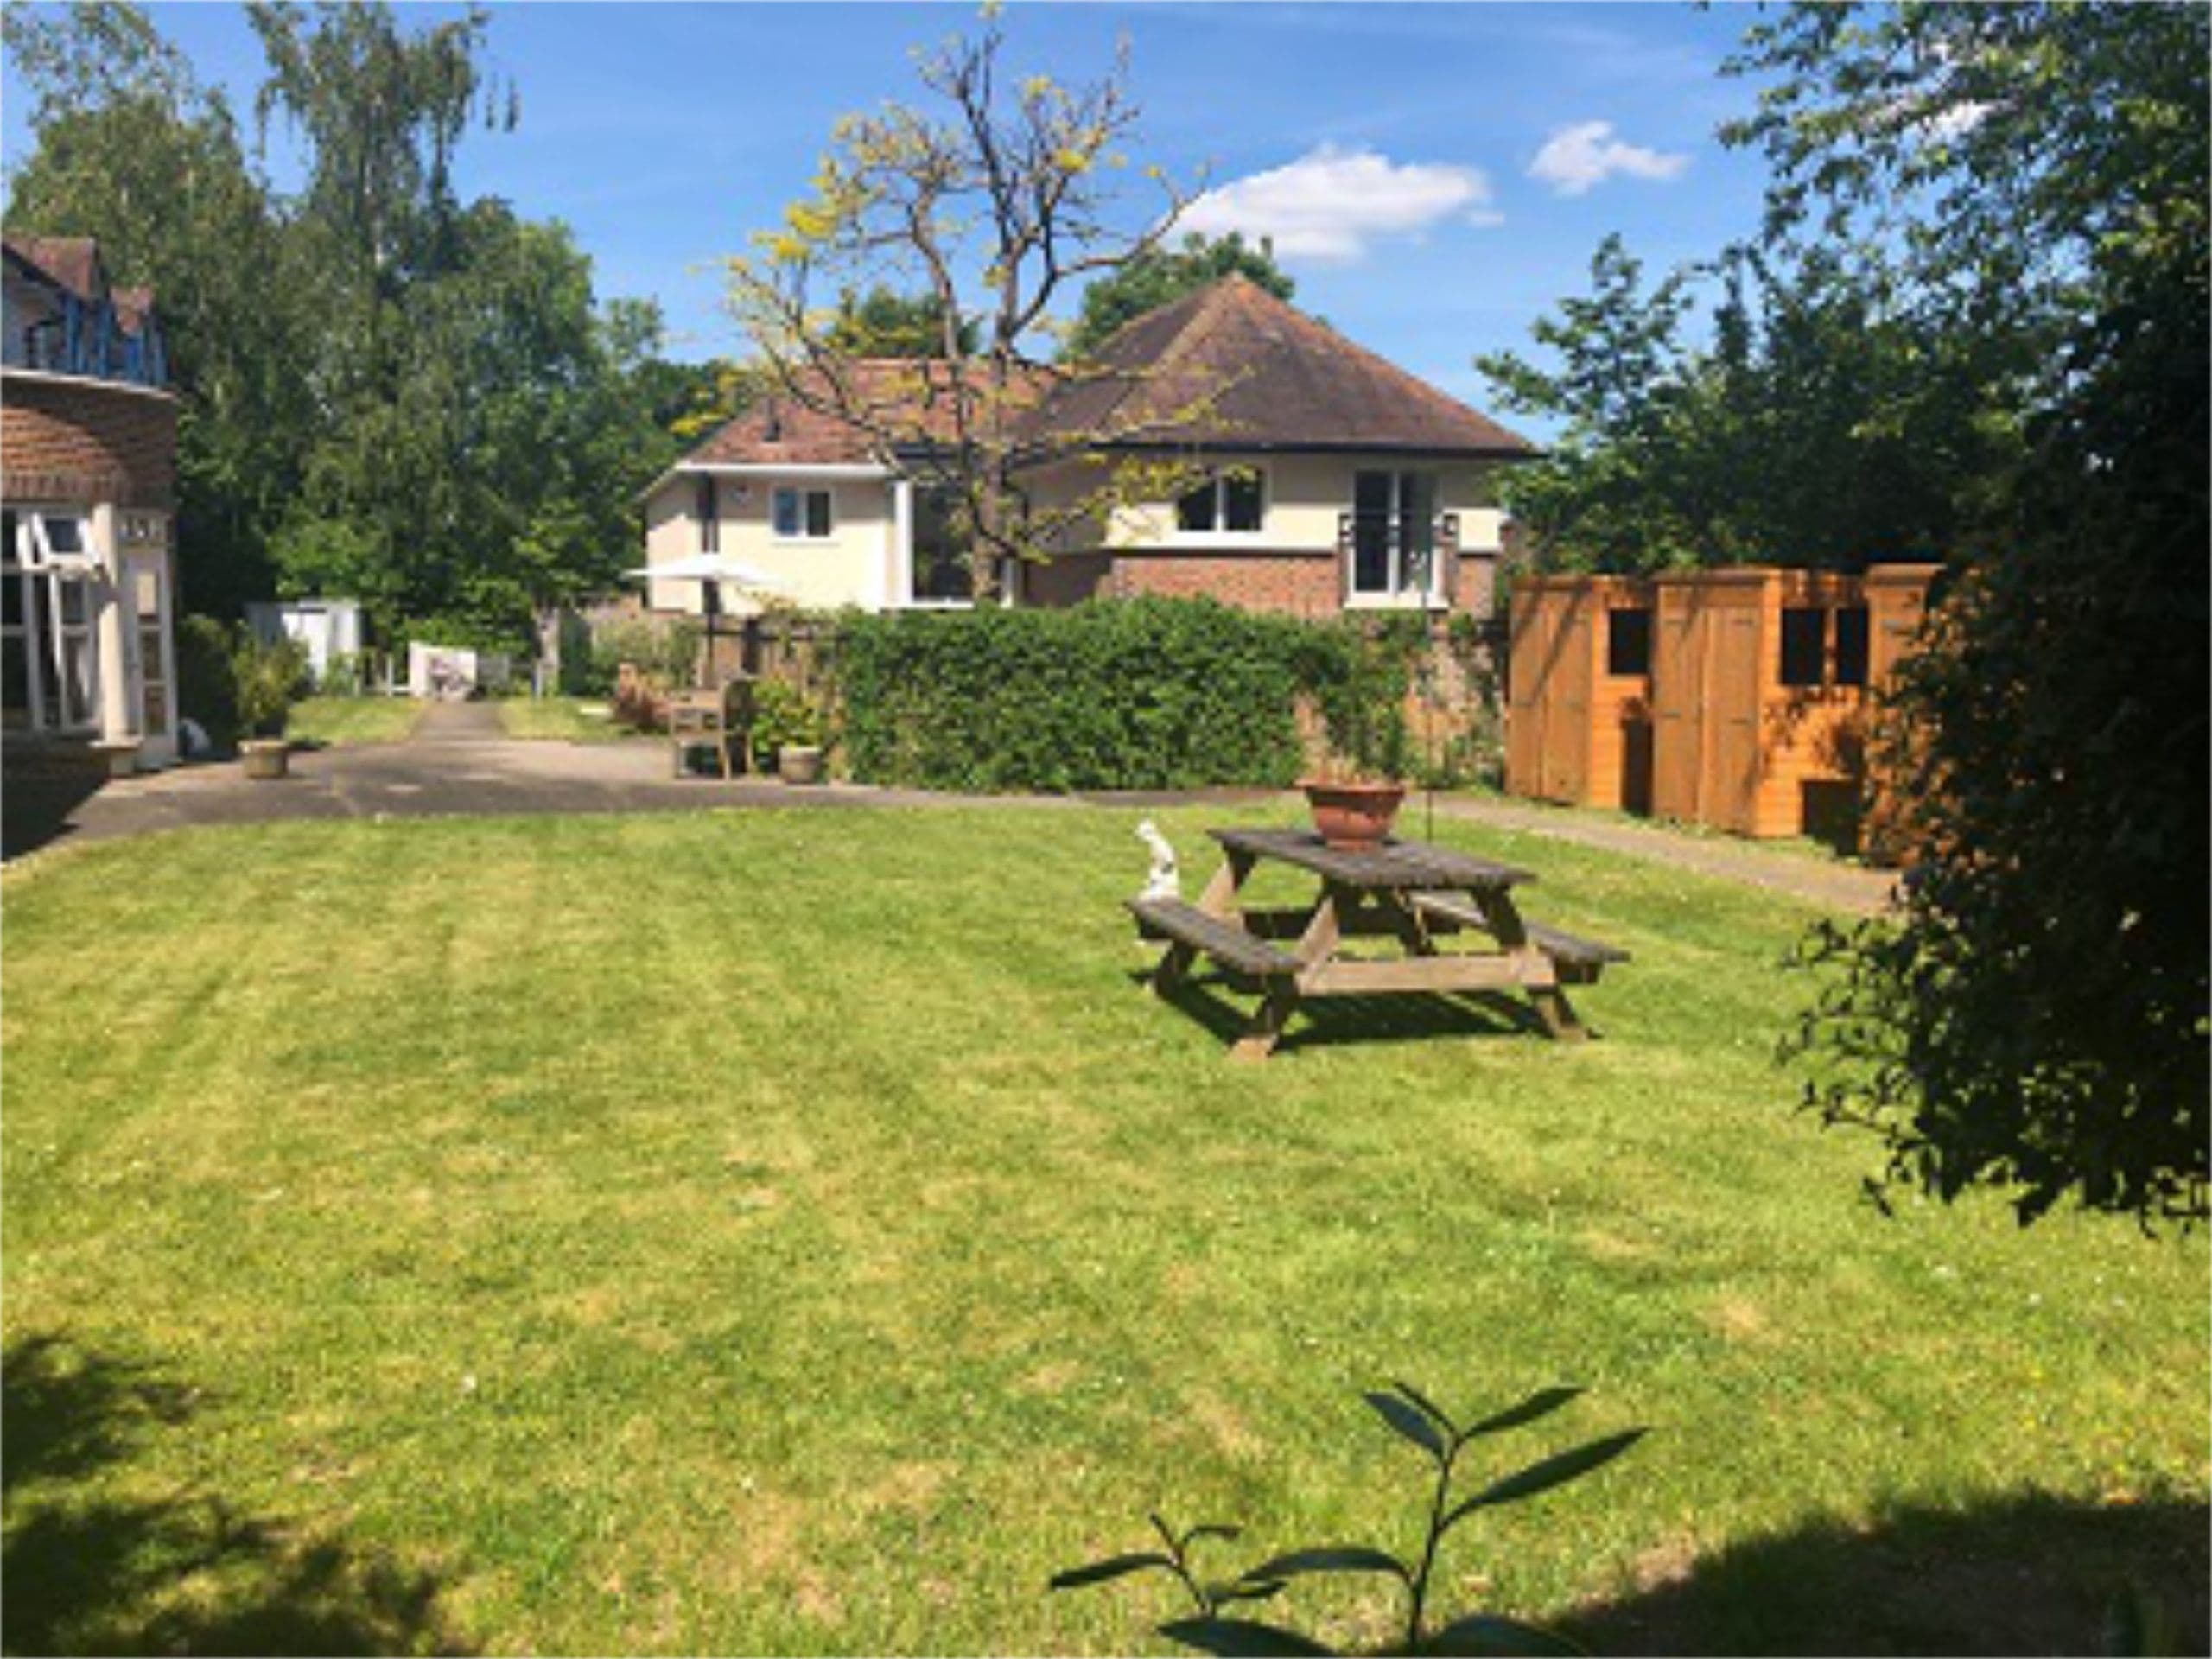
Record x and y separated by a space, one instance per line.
1338 481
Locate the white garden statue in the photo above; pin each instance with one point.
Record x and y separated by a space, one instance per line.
1165 881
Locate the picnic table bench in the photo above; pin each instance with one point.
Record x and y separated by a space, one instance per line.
1403 891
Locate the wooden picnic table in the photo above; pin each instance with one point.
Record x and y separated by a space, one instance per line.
1407 891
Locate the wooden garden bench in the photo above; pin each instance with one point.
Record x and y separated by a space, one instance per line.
1580 960
1188 927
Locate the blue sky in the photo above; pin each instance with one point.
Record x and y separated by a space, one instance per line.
1436 175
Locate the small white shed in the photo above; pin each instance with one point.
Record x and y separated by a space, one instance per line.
326 628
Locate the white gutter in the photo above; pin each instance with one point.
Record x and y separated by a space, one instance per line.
825 469
49 377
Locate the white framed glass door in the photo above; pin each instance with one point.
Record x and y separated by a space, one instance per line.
1393 536
152 648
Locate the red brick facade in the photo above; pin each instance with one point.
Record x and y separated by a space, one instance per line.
82 442
1303 583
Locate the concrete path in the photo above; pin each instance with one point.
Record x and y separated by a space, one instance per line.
1800 874
460 762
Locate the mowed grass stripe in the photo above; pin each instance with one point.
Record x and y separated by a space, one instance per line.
792 1231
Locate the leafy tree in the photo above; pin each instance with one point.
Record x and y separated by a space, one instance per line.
130 149
882 323
989 202
385 392
1817 425
2037 1016
1163 276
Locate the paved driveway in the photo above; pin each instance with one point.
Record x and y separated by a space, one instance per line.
459 761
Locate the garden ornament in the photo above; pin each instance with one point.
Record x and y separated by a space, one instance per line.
1163 882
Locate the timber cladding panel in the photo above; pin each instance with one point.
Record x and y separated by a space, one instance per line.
1750 711
1578 705
86 442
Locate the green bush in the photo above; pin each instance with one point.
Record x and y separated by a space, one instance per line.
783 718
206 690
267 679
1142 694
666 649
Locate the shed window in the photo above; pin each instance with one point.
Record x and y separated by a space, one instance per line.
1850 634
1804 646
1628 641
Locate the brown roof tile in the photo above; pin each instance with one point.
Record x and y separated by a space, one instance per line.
913 397
1256 373
73 263
1260 374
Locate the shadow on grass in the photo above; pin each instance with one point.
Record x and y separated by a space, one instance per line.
1328 1022
35 805
2033 1574
83 1570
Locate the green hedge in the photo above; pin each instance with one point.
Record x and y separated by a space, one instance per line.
1141 693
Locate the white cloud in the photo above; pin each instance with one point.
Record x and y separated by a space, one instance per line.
1576 160
1330 204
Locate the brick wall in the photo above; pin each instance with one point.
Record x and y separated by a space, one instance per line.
1300 584
1303 583
82 442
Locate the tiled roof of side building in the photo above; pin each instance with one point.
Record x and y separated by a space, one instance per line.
73 263
910 397
1230 365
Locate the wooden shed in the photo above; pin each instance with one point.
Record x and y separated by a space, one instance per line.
1735 697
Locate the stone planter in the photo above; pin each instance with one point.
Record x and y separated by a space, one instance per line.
119 758
799 763
266 757
1352 816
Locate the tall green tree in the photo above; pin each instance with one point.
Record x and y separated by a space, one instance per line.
883 322
387 392
1160 276
131 150
1812 422
2036 1018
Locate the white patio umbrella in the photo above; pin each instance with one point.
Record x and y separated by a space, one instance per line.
713 571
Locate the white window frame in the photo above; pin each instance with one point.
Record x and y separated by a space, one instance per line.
43 574
1219 483
1398 594
800 492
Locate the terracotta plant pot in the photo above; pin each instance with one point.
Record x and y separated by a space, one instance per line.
1352 817
799 763
266 757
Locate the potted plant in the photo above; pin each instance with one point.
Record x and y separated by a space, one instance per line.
1353 813
1355 793
266 678
787 725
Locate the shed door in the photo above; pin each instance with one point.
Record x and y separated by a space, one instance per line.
1566 728
1731 713
1677 676
1532 618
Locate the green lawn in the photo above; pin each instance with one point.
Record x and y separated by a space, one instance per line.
353 719
793 1231
572 720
